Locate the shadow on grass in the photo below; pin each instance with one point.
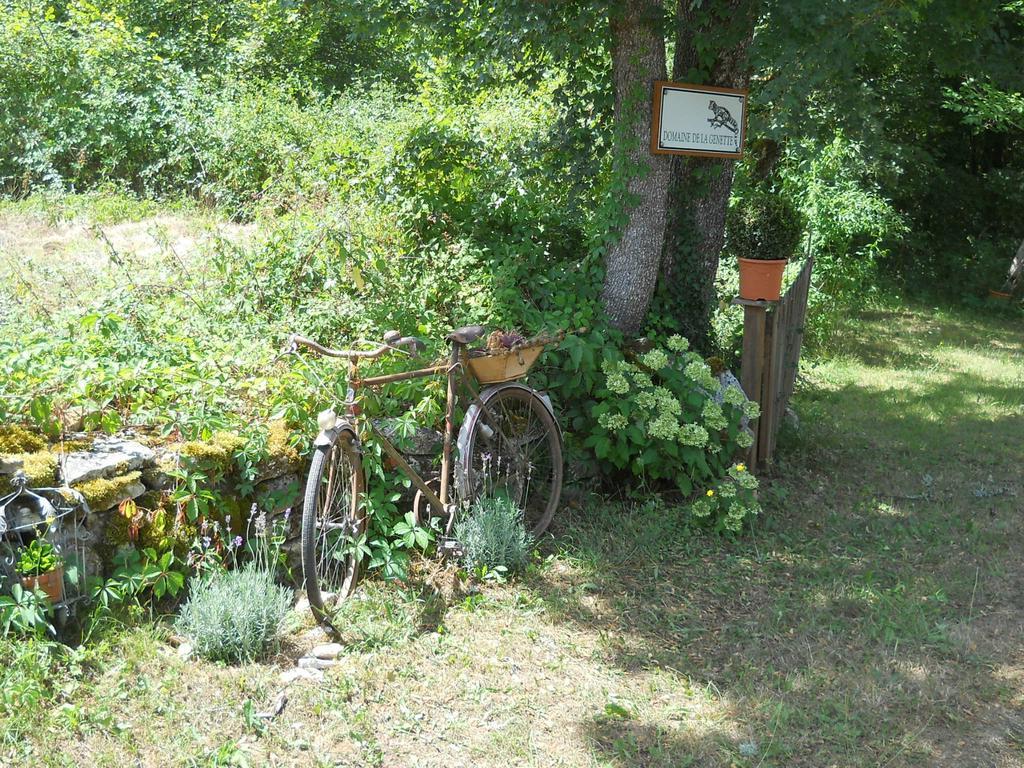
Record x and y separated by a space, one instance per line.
629 744
855 600
907 338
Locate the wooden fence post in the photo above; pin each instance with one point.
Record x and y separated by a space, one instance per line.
772 337
752 368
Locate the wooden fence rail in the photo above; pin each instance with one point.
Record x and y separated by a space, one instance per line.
773 334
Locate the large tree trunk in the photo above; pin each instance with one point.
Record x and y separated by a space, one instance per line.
638 59
1015 278
700 187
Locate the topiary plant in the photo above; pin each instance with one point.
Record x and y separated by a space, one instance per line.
763 225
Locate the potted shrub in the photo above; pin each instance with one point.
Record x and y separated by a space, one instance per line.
763 231
40 567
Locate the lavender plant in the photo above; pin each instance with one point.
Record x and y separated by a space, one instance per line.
236 615
493 536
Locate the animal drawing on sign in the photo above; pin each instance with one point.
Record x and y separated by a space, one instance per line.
722 118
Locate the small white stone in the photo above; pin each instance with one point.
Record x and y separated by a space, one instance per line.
185 651
307 662
326 651
290 676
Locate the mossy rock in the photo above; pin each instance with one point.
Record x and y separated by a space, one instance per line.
279 447
15 439
40 467
156 529
218 452
103 493
282 457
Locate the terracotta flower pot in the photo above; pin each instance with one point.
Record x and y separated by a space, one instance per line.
761 279
51 582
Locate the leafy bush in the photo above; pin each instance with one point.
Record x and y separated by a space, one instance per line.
655 416
84 100
763 225
729 503
493 536
26 613
852 226
234 616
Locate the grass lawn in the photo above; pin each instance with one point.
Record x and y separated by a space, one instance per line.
873 617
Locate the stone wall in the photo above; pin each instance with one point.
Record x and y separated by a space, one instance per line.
109 470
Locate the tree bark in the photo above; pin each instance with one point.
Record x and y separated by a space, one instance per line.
700 187
1015 278
632 264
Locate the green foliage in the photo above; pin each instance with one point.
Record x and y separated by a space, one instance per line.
763 225
493 537
26 613
392 534
851 223
655 417
37 558
27 667
730 503
140 578
234 616
917 155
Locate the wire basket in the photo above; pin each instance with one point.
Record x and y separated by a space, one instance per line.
55 515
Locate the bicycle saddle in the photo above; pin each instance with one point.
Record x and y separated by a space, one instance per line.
467 334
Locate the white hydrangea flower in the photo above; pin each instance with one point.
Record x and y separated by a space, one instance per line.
618 383
713 417
646 400
664 427
733 396
642 380
678 343
693 434
700 374
612 421
655 359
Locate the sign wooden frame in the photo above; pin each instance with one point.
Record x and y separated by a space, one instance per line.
660 86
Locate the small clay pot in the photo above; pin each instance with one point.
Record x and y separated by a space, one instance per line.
51 582
761 279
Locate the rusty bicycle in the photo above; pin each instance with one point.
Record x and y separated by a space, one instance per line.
508 443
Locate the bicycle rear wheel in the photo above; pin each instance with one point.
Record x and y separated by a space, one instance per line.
331 522
512 447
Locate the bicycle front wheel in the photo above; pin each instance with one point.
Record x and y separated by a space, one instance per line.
332 522
512 447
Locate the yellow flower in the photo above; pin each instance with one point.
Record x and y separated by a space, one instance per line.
741 467
710 492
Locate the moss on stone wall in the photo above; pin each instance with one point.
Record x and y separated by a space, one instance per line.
40 467
103 493
15 439
156 528
218 451
281 455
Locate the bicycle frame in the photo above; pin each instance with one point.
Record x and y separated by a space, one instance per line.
454 372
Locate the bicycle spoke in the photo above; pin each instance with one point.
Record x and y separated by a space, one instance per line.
334 520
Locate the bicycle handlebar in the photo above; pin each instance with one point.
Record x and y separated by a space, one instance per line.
391 343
